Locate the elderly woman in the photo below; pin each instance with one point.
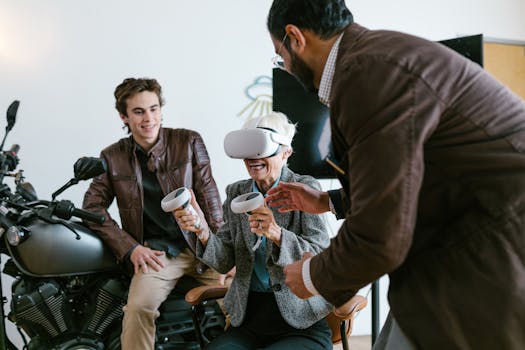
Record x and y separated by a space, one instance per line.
264 312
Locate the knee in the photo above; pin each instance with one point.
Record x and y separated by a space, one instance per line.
141 307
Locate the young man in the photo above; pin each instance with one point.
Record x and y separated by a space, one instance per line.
142 169
434 153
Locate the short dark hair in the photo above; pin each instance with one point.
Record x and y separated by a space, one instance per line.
325 18
132 86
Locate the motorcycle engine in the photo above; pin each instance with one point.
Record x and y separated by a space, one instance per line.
41 311
62 317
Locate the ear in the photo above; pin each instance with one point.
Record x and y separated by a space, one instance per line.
124 118
287 153
296 37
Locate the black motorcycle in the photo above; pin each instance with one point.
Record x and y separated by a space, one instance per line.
68 291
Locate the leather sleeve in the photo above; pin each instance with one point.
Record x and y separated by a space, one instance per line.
97 199
204 185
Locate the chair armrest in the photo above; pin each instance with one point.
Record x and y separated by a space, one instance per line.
348 309
199 294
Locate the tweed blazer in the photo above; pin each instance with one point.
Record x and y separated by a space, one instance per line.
232 246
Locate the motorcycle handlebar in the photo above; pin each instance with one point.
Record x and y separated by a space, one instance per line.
14 149
65 209
89 216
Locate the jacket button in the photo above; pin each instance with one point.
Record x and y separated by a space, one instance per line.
276 287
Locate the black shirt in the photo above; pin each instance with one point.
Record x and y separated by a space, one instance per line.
161 232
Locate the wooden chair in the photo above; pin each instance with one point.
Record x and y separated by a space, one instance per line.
340 319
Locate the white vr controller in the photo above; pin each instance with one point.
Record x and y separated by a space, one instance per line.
246 203
179 198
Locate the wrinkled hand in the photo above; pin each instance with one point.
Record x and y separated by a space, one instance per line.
141 257
262 222
289 196
294 277
187 220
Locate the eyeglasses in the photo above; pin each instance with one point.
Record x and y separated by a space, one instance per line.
277 60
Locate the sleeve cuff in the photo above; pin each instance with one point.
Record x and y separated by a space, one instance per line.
307 280
331 205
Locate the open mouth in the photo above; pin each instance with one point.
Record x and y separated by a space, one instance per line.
147 127
257 166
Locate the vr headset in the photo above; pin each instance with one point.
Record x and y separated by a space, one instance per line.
254 142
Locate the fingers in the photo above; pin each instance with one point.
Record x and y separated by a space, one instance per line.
222 279
283 200
148 258
187 221
258 226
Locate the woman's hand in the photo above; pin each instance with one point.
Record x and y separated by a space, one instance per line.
188 221
262 222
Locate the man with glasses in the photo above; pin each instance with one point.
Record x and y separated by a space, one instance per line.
433 149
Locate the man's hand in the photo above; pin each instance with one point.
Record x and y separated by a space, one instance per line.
294 277
289 196
141 257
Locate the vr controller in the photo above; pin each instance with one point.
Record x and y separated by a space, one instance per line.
179 199
246 203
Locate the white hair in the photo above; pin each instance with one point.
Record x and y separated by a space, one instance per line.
277 121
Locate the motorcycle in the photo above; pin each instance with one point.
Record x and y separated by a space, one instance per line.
68 291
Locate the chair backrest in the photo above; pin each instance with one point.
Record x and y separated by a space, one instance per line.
345 313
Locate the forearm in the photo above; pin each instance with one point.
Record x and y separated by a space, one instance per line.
217 254
97 199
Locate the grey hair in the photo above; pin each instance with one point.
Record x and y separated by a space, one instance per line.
277 121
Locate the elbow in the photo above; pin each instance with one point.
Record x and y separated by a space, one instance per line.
389 258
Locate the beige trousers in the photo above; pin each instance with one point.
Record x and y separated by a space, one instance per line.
148 290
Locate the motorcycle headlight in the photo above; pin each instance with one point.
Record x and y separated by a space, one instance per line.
15 236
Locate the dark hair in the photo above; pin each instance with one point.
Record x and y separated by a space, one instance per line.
132 86
325 18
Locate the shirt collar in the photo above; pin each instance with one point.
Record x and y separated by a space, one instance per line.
325 87
255 188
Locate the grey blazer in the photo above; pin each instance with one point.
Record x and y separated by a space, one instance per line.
231 246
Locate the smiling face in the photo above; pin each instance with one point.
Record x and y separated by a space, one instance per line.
143 118
266 171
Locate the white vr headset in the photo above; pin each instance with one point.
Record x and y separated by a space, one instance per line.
254 142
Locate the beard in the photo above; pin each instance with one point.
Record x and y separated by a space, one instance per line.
302 73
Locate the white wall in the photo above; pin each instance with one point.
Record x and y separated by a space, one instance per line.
63 59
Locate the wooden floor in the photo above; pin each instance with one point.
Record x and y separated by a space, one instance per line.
359 342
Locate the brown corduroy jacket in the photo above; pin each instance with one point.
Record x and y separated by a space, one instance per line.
434 153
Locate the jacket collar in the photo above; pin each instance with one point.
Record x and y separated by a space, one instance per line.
155 152
286 176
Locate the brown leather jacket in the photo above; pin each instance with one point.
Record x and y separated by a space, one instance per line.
180 159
